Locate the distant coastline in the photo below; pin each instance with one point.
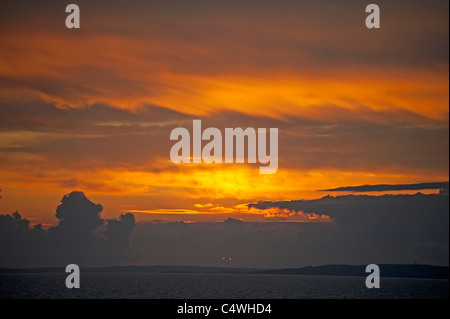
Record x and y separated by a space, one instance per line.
386 270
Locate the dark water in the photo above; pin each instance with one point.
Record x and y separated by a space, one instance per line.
215 286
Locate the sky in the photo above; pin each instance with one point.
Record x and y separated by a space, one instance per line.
91 109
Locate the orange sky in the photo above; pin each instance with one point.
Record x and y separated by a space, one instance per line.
92 109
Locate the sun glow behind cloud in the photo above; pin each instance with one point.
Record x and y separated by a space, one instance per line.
319 78
242 212
217 181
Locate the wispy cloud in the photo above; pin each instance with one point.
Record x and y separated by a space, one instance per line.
384 187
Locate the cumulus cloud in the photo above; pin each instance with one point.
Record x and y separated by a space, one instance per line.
79 237
78 219
20 244
118 231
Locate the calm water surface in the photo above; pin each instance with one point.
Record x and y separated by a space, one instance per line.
215 286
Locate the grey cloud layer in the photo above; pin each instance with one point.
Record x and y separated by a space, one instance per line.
363 230
414 33
116 137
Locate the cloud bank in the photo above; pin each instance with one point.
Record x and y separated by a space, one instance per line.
443 186
361 230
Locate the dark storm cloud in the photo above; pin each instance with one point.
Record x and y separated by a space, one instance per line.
401 227
78 219
78 238
119 231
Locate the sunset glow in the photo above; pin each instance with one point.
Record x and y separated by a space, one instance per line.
92 110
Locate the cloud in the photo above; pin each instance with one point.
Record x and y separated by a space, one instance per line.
120 153
119 231
78 219
379 188
361 230
20 244
93 110
78 238
382 227
216 58
247 212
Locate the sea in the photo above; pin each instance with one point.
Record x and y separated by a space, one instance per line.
215 286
